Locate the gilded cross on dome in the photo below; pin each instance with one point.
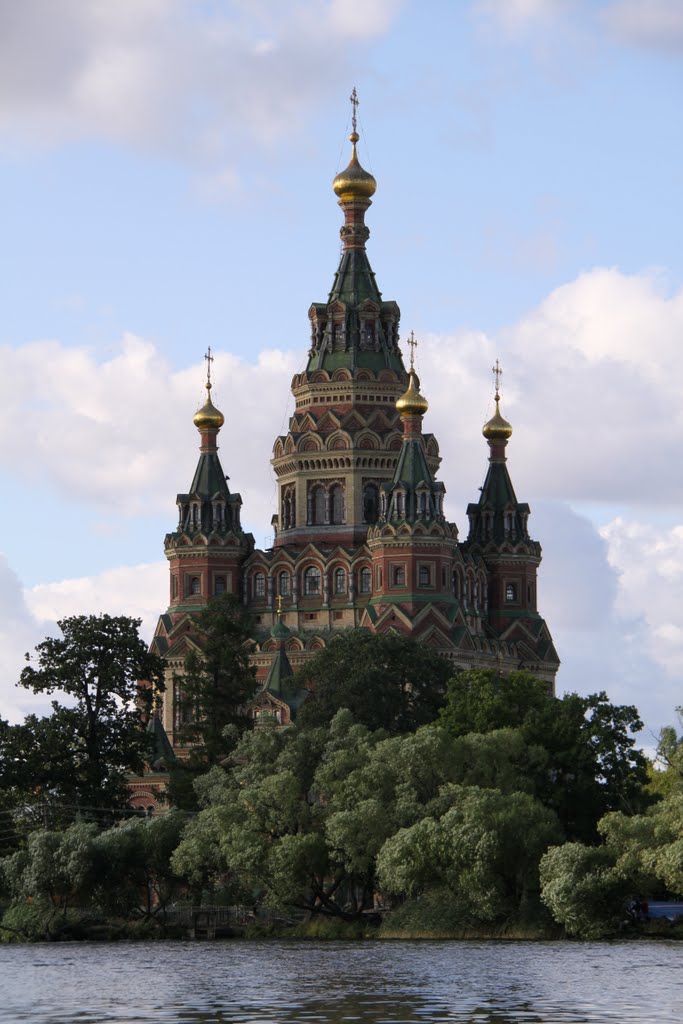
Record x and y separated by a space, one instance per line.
412 342
209 360
497 373
279 607
354 103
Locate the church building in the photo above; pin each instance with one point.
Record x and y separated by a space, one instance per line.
361 540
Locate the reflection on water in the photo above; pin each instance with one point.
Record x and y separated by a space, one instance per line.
330 983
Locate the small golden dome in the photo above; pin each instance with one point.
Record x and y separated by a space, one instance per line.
354 182
412 402
208 417
497 428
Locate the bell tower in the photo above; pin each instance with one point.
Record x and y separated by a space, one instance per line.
345 434
208 546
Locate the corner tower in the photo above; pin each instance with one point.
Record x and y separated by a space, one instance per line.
208 546
499 535
414 549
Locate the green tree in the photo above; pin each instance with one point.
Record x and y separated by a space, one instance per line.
299 817
592 765
484 851
80 755
48 879
134 877
217 680
387 682
583 890
666 774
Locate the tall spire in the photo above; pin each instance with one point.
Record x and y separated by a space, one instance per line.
355 328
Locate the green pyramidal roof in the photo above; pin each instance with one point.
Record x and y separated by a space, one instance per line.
498 515
279 671
354 281
209 478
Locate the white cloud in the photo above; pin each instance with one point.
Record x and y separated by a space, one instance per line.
189 79
119 434
515 14
19 633
655 24
28 616
140 591
649 24
649 561
588 386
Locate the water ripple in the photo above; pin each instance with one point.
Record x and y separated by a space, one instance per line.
342 983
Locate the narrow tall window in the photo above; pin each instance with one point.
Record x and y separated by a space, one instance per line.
312 581
337 504
365 581
425 576
283 584
259 585
370 503
398 576
219 585
339 581
195 585
318 506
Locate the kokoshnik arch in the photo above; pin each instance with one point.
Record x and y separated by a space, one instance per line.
361 540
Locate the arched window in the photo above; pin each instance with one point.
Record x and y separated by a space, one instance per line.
288 509
318 506
398 576
370 503
456 585
283 584
365 580
259 585
339 581
425 576
337 504
195 585
312 581
219 585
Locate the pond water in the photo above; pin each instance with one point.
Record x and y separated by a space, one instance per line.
363 983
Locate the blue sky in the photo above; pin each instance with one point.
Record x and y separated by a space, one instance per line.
165 173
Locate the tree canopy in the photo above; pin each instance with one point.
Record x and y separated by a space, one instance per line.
387 682
592 764
78 757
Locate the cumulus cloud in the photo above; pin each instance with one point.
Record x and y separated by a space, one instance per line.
27 616
140 591
190 79
596 411
114 433
649 561
651 24
657 24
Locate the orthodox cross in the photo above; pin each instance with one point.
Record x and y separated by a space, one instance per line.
497 373
209 360
354 103
413 345
279 607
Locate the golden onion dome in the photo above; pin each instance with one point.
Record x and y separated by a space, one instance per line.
497 428
412 403
208 417
354 182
